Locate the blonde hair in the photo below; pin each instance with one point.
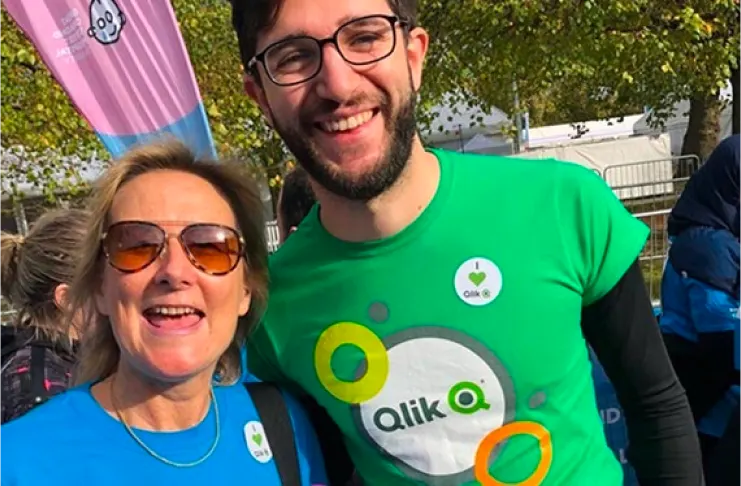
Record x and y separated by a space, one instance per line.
35 265
99 352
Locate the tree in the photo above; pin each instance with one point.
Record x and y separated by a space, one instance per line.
569 100
40 127
236 122
703 125
736 99
612 54
569 59
238 126
38 117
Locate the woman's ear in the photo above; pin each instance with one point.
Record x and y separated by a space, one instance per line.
60 297
244 303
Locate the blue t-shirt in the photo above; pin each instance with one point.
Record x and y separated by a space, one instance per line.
72 440
246 377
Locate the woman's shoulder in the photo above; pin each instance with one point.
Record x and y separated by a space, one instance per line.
714 247
54 430
58 412
706 236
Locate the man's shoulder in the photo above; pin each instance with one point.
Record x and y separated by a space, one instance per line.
302 245
529 168
306 249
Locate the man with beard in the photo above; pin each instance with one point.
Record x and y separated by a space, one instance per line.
434 304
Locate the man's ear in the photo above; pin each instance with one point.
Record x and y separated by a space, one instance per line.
417 43
255 91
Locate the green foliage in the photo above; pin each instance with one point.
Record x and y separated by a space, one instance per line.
580 59
40 126
237 125
572 61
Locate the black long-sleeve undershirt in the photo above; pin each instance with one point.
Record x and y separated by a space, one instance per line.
622 330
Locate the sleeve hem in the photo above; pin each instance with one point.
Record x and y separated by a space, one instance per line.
631 256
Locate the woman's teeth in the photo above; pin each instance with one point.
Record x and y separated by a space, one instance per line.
172 311
348 123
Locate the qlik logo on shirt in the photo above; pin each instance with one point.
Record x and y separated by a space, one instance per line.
478 281
465 397
257 441
433 399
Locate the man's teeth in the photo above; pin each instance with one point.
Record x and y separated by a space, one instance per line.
349 123
172 311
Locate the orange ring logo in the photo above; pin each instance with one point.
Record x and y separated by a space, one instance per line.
481 465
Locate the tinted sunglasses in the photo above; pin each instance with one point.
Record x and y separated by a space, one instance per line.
131 246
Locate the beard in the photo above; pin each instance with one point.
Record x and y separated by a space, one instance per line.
400 129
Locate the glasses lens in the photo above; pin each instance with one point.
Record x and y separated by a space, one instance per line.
132 246
366 40
293 60
214 249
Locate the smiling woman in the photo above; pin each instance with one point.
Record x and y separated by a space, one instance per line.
173 276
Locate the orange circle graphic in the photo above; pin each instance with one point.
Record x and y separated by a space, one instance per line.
486 447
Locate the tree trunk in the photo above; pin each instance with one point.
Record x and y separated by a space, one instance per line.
703 130
736 102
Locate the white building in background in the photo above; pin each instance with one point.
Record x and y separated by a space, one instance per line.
590 131
635 165
470 130
462 132
485 136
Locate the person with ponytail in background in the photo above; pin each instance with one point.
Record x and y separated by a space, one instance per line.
37 346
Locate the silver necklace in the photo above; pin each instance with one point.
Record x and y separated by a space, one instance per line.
158 456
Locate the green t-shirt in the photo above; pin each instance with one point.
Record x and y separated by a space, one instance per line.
452 352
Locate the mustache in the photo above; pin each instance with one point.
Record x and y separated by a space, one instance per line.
327 107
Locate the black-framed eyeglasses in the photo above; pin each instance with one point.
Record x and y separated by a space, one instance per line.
360 41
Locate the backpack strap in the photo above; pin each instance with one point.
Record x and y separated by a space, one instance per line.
276 421
38 373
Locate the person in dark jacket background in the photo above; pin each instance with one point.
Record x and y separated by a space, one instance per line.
295 201
38 345
700 302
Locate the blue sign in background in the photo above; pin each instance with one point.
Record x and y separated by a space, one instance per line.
613 420
612 416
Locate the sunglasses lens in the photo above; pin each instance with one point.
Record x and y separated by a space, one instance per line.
133 246
214 249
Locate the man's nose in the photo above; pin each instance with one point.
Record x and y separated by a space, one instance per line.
337 80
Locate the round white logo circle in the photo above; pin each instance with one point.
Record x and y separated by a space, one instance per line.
257 441
439 401
478 281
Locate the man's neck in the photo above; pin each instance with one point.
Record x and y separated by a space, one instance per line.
148 405
389 213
